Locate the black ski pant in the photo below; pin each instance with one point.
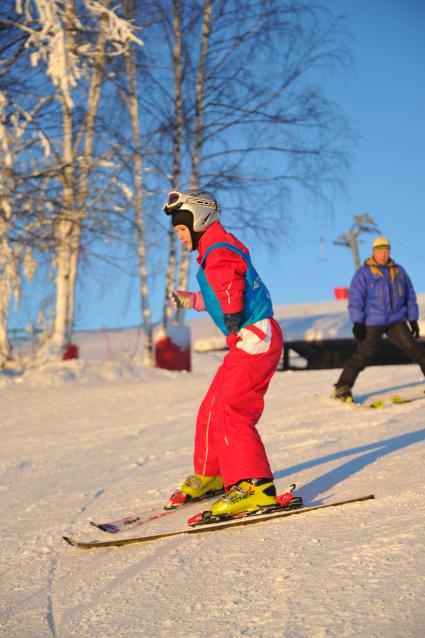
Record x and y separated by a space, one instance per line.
398 333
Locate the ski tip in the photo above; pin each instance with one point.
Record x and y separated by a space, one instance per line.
68 540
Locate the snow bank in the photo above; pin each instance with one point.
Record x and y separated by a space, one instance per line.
58 373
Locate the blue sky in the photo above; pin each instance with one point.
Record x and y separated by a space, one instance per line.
383 95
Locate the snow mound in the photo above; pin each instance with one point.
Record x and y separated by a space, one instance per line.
58 373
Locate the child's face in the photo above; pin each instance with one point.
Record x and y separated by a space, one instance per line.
183 234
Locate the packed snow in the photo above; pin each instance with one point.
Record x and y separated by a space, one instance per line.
86 440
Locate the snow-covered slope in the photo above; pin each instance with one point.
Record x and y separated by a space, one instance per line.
86 441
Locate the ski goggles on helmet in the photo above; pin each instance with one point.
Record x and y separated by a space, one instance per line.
177 200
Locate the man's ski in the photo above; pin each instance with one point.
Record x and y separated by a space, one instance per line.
380 403
398 400
394 399
247 520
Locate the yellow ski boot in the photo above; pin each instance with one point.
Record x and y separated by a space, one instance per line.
247 497
196 488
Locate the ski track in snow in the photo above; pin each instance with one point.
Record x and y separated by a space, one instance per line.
81 443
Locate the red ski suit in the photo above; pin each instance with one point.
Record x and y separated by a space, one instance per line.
227 442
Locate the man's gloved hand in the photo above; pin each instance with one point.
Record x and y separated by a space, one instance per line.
182 299
359 331
233 321
414 327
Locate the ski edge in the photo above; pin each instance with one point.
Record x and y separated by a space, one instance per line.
119 542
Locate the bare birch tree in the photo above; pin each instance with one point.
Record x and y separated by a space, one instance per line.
85 159
8 270
177 141
198 128
55 43
129 10
256 124
15 253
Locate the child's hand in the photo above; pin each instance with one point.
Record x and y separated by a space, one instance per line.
182 299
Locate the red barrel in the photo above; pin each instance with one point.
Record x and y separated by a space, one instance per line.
172 349
70 351
341 293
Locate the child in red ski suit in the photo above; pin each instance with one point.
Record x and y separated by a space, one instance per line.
228 448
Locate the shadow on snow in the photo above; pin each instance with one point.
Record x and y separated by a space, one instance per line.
365 454
362 398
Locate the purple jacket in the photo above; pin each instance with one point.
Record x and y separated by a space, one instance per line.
377 299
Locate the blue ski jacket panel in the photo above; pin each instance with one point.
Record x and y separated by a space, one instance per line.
257 301
377 299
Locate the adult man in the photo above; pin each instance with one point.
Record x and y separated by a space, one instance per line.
381 300
228 451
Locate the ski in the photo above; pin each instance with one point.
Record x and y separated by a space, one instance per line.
131 521
352 403
378 404
399 400
200 529
137 520
394 399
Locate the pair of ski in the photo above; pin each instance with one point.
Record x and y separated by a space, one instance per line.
288 506
378 404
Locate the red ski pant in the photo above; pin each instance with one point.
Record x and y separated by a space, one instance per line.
227 442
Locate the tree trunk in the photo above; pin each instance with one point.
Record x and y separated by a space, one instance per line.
184 270
5 294
86 163
6 258
138 194
177 138
64 226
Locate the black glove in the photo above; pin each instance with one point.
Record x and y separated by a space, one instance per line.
414 327
359 331
232 321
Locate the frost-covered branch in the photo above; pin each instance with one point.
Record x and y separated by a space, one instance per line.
50 46
119 31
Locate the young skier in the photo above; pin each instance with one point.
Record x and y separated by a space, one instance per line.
381 300
228 450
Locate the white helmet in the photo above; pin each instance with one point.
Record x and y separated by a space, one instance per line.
203 206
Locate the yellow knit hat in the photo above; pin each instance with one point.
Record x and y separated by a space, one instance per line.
381 242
